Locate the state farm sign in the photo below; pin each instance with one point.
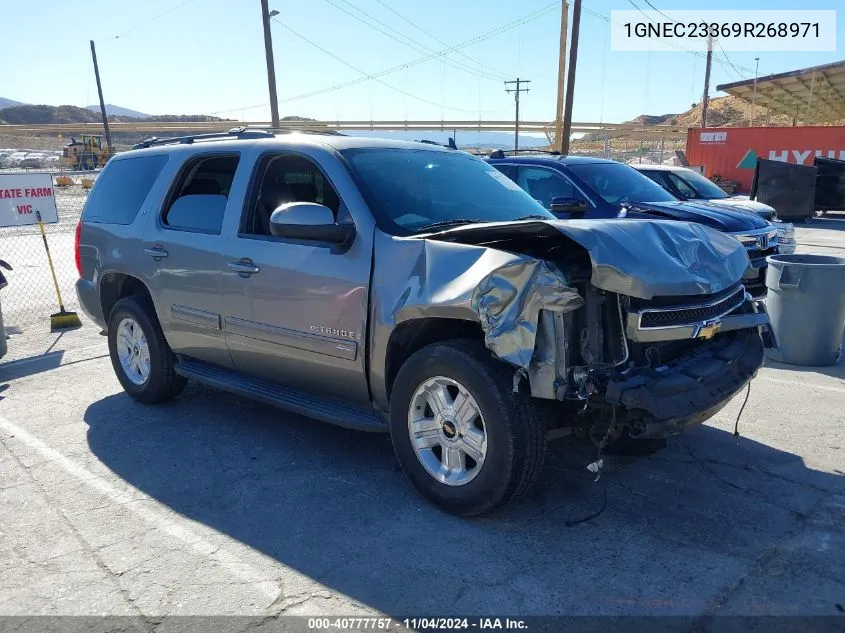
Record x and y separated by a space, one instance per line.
21 195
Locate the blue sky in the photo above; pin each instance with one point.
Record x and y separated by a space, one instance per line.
207 56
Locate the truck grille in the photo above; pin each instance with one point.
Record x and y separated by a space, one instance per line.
681 315
755 253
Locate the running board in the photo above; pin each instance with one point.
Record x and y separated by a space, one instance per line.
325 409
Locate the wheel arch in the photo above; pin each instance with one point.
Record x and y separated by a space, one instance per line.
414 334
115 286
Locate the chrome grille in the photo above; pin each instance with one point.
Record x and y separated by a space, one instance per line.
684 315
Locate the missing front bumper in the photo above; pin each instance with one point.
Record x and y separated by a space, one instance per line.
663 401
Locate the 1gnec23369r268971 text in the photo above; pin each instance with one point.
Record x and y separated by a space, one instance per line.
726 29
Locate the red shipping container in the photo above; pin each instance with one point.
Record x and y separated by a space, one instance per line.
732 152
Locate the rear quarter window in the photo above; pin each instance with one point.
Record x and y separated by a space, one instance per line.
121 189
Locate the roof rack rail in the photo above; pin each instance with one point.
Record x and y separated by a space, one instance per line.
450 144
501 153
234 133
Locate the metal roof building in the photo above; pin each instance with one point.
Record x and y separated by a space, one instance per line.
811 96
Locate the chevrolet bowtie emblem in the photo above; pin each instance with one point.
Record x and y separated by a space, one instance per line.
708 331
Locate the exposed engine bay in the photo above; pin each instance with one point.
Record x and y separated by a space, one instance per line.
641 336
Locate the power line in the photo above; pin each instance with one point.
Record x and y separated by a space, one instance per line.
545 10
727 59
150 21
659 11
366 75
601 16
631 2
404 39
437 39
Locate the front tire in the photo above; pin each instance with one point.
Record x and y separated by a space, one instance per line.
464 439
142 360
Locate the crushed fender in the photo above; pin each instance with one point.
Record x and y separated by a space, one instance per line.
508 302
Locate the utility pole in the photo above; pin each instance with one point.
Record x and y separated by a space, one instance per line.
754 98
271 69
561 73
570 79
516 92
109 149
706 98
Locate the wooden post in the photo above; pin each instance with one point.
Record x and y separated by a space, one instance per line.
706 98
109 148
570 78
561 74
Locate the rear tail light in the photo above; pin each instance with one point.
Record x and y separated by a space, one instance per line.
76 255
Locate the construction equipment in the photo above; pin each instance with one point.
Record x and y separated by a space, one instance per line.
86 154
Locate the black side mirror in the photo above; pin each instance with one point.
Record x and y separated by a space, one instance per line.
309 221
563 204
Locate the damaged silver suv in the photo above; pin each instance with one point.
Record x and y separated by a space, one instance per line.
402 287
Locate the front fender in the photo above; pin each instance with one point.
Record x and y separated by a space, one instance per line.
418 279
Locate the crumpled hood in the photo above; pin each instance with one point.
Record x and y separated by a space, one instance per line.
712 214
636 258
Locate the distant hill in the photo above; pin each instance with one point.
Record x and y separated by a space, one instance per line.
39 114
119 111
24 114
35 114
725 111
721 112
7 103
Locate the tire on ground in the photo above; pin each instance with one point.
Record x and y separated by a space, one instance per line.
163 382
514 423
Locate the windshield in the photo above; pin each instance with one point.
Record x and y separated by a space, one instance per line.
409 190
618 183
703 187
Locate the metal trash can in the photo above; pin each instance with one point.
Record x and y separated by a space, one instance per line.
806 305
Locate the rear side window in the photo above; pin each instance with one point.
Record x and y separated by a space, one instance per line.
121 189
198 201
507 170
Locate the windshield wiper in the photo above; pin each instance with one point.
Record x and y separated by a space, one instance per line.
534 216
447 223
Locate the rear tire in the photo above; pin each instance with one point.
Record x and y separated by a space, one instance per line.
142 360
513 428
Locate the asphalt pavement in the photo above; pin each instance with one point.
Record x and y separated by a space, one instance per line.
214 505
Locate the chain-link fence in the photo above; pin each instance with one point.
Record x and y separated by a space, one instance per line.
30 298
630 149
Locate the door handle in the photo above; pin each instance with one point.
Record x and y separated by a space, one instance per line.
155 252
243 267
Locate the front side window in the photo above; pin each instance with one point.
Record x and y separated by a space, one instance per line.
544 185
699 185
410 190
283 179
617 183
